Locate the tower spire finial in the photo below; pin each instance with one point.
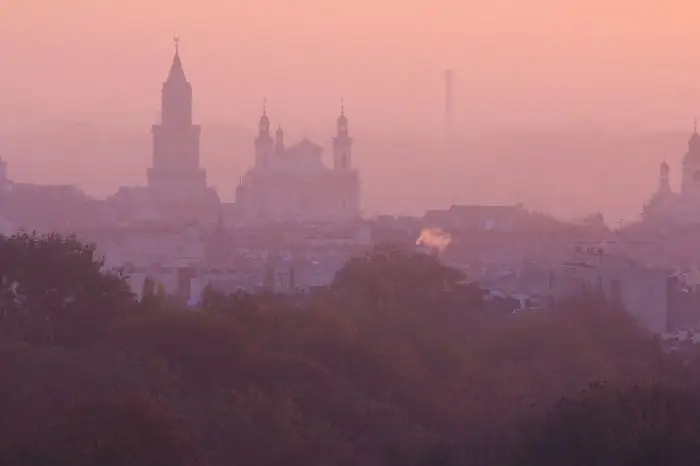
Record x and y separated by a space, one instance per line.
176 72
264 106
342 106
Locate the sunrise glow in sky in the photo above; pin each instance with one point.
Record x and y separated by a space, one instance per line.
517 60
538 64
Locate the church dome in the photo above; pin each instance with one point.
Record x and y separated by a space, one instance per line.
693 155
342 121
664 168
694 140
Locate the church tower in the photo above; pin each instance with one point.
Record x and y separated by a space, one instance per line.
263 142
279 141
342 143
175 173
664 180
691 165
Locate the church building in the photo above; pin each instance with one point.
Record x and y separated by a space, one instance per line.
291 183
667 207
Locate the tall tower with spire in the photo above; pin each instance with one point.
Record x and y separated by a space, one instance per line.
263 141
175 174
342 142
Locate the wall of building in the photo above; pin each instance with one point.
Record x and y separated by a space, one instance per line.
285 196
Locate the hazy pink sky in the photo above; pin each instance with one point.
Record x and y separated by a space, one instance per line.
538 62
535 63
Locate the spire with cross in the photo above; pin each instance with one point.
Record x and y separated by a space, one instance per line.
177 73
342 142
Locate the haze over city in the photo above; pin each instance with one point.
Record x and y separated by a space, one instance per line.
349 232
550 97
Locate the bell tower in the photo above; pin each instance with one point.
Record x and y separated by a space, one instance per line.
263 142
342 142
664 180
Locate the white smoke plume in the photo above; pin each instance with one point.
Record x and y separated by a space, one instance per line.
434 238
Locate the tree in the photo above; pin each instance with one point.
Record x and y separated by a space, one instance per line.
653 424
154 296
109 432
390 270
212 298
161 293
53 288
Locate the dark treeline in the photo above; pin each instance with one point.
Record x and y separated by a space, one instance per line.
396 363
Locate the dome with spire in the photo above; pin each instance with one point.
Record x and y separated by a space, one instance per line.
693 155
342 119
264 123
342 125
694 141
664 169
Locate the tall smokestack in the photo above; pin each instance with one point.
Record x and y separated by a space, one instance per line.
449 82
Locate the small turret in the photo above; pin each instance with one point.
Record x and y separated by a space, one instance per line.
264 123
342 123
342 142
279 141
263 142
664 179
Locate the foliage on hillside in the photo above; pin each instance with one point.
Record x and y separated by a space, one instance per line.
413 372
613 425
52 289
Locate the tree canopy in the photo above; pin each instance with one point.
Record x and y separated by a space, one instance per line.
53 288
392 271
655 425
409 377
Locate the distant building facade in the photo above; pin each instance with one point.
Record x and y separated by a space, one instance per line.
293 184
642 291
478 217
